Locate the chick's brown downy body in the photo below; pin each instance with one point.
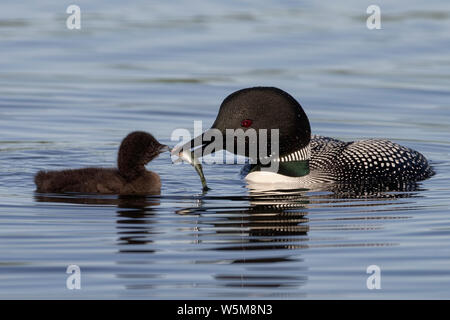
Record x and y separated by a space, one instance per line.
131 177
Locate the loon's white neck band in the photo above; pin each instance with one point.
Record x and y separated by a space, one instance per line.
294 164
299 155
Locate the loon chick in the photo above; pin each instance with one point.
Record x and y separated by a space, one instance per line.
301 157
136 150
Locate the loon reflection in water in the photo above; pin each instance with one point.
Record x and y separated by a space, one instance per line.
262 229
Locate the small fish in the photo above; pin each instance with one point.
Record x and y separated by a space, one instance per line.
191 159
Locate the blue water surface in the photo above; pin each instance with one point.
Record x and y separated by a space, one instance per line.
68 97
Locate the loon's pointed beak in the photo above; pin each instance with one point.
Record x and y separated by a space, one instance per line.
196 145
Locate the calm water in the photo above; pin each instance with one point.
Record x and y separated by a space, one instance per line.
67 98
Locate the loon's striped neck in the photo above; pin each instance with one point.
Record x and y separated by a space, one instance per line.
299 155
295 164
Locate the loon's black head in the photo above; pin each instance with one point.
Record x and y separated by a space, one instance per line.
259 108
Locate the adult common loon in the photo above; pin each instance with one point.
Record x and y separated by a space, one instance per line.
307 159
136 150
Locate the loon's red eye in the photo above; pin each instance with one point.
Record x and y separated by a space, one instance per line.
246 123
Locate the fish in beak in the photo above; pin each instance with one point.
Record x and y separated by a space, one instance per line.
202 145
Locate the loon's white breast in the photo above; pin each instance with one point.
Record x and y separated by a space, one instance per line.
271 180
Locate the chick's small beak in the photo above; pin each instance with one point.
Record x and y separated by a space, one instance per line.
163 148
